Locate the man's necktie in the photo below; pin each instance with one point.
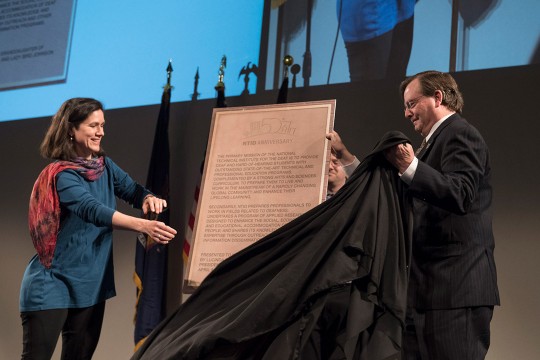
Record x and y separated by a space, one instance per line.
422 147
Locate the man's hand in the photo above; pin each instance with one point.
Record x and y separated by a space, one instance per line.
401 156
339 149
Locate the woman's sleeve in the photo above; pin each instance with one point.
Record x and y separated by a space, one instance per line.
125 187
77 199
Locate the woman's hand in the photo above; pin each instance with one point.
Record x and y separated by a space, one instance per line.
159 231
153 204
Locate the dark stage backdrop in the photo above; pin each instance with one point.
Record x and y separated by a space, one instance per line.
501 103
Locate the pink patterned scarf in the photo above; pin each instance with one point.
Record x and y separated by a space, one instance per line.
44 210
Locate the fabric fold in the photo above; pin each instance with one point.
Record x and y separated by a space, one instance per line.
266 301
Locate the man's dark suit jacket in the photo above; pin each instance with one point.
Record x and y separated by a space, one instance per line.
453 264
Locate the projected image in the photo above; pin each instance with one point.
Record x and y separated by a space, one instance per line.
119 54
354 40
29 55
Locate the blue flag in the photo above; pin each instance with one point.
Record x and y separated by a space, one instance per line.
151 258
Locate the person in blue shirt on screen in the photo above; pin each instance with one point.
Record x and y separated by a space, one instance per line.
378 37
71 218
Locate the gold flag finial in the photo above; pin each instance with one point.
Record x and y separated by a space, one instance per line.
221 72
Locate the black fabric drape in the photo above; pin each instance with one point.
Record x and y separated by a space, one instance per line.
265 301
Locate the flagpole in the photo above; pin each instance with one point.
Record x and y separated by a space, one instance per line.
169 75
151 258
195 94
288 60
188 236
220 86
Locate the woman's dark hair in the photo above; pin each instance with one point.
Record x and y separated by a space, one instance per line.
431 81
57 143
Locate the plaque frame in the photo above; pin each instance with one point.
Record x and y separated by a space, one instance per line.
283 183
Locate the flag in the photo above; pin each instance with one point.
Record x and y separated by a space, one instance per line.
151 258
188 237
283 91
220 100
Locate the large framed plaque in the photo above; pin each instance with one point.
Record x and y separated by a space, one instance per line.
265 165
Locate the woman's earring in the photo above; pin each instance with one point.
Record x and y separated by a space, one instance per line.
71 138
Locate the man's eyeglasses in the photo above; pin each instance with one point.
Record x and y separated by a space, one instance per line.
412 103
335 162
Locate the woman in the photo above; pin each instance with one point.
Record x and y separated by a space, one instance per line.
71 217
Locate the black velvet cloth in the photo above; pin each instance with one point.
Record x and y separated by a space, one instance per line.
269 300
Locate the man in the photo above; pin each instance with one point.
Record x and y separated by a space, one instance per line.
453 285
336 177
348 161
